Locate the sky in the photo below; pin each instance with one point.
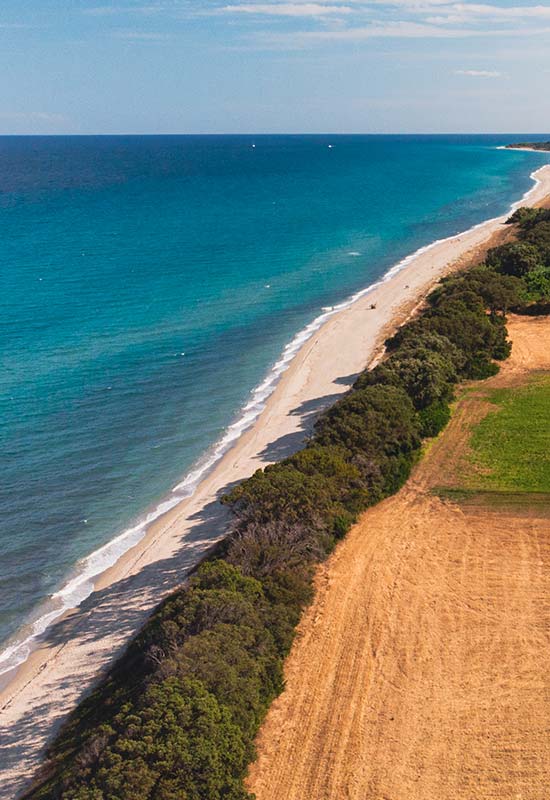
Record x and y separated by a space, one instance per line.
279 66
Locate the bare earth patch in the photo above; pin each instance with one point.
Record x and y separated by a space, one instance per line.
420 672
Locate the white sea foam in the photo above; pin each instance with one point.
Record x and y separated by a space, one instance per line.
81 585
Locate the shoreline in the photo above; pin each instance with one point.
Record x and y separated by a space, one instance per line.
86 575
525 149
86 639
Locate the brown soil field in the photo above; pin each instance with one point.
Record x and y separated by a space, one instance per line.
420 671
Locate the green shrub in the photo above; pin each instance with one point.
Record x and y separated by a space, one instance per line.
526 216
537 284
497 292
538 236
424 375
434 418
464 321
374 420
515 258
410 339
176 736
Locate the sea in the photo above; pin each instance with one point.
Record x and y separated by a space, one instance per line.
152 291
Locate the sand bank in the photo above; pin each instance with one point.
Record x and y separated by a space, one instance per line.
85 640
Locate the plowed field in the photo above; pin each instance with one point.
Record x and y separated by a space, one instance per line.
421 670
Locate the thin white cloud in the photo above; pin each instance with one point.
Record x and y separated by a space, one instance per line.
470 14
478 73
502 12
402 30
141 36
472 9
287 9
343 20
416 18
33 116
109 11
390 30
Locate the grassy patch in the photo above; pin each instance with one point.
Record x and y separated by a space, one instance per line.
510 448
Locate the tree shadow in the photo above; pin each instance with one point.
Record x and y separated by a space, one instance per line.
103 626
308 411
18 751
347 380
107 621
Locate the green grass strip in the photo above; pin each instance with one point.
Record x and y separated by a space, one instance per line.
510 447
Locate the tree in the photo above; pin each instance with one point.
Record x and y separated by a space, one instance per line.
537 284
377 419
497 292
177 742
425 376
515 258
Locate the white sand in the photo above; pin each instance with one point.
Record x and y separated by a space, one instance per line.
85 641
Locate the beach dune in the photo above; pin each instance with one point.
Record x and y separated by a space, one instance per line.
83 643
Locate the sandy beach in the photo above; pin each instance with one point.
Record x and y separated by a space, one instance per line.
81 644
524 149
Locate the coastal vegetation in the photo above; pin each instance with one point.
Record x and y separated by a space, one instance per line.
177 715
530 146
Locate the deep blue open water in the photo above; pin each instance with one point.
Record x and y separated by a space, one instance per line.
148 284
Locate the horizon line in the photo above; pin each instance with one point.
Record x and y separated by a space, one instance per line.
274 133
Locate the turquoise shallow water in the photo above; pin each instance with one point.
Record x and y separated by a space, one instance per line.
150 283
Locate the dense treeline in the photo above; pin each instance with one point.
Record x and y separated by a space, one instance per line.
177 716
530 145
